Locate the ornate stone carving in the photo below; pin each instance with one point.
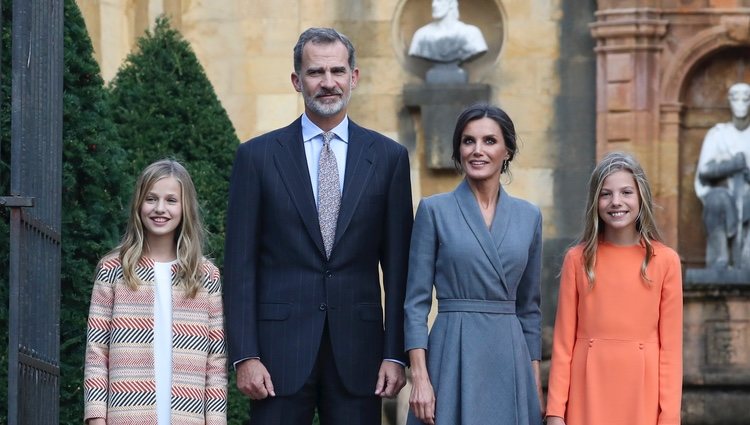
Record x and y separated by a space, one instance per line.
726 343
738 28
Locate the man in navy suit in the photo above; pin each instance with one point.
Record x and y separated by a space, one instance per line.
305 324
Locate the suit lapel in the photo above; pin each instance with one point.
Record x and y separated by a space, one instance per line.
469 207
291 162
359 165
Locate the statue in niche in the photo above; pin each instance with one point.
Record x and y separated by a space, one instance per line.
722 182
446 39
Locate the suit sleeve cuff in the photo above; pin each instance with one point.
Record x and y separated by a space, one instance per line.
242 360
396 361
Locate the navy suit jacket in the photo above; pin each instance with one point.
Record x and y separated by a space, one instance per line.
279 288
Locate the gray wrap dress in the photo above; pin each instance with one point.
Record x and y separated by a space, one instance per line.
488 326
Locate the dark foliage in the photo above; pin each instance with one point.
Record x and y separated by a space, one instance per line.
95 182
164 106
161 105
5 87
92 211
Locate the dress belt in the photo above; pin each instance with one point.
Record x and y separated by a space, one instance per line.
476 306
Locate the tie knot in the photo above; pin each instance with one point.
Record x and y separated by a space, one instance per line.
327 137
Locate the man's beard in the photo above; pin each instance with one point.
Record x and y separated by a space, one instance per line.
326 109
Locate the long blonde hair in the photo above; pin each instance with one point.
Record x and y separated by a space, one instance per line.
593 226
189 235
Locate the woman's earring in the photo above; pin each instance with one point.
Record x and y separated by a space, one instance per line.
504 168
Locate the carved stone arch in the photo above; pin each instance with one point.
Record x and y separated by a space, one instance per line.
683 123
692 52
732 31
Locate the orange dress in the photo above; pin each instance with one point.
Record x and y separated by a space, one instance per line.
617 350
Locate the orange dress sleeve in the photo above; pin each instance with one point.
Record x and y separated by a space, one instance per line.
670 343
566 323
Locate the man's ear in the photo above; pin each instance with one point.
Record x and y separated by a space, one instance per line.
296 82
355 78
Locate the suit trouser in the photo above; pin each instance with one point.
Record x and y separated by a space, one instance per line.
324 390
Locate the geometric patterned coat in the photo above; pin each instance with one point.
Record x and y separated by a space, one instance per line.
119 382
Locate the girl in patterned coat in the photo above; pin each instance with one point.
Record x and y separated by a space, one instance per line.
155 350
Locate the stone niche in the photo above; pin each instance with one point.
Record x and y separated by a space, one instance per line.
663 70
433 106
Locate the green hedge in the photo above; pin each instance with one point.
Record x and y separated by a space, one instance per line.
4 191
163 105
160 105
93 178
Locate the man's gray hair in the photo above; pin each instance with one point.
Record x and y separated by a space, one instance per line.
321 36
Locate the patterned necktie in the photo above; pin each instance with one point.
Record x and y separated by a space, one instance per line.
329 195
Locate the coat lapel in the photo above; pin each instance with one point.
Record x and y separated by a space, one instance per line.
359 165
469 207
291 162
501 221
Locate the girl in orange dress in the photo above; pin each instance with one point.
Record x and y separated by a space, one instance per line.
617 350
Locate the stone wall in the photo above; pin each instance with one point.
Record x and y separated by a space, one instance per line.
245 47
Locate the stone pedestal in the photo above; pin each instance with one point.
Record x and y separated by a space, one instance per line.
716 386
440 105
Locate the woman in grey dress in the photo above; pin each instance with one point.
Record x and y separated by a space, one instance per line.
480 249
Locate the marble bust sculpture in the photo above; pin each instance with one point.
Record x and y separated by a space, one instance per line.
446 39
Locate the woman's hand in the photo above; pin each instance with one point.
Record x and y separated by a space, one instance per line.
422 400
96 421
538 379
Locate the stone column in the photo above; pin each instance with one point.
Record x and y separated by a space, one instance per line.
667 173
628 49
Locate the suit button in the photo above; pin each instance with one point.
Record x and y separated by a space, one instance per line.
322 307
329 274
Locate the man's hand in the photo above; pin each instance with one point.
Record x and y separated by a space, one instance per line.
254 380
391 379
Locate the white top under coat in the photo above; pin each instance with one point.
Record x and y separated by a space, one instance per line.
163 340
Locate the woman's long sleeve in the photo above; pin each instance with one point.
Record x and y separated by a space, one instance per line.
422 254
